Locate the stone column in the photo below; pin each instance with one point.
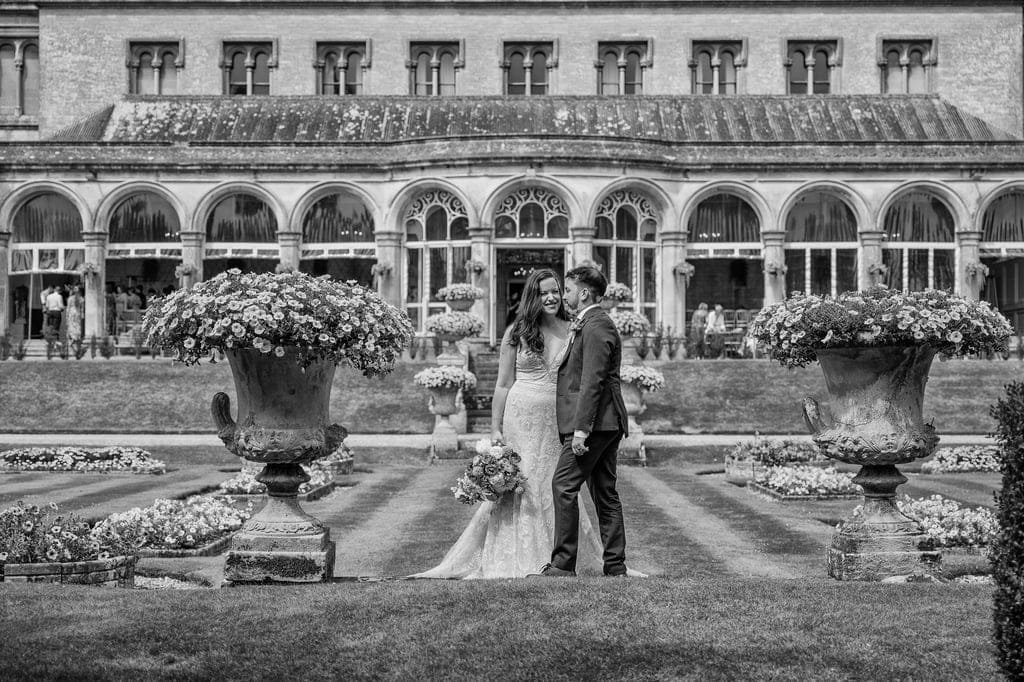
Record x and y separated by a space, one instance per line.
673 281
868 273
191 259
774 266
95 284
288 244
5 282
970 276
389 267
582 245
480 252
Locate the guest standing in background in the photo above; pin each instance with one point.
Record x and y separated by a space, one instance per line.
76 313
697 327
715 335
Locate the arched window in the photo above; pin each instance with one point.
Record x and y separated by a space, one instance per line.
144 217
821 245
247 67
1003 221
437 248
810 66
433 68
621 67
625 246
241 218
46 234
526 66
19 77
906 66
724 219
532 213
714 67
153 67
918 243
339 217
339 68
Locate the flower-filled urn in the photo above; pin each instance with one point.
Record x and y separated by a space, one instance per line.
875 349
283 334
460 296
445 384
635 381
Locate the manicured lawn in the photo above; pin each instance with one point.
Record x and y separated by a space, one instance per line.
717 628
726 396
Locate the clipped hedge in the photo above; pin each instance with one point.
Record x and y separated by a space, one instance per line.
1008 549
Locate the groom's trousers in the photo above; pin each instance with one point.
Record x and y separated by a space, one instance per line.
596 468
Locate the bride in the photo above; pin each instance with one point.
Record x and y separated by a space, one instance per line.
513 537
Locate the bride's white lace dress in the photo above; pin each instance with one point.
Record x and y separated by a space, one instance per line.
513 537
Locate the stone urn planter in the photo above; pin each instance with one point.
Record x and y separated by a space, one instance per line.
445 438
283 422
874 419
461 304
118 571
631 448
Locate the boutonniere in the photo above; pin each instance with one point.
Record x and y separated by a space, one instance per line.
576 325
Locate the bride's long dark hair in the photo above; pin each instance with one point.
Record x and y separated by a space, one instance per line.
526 327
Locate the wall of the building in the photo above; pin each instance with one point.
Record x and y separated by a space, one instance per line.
83 50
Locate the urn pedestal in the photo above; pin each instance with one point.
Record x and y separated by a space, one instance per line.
283 415
444 441
453 357
875 421
631 448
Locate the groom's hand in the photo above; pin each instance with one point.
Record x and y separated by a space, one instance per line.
579 443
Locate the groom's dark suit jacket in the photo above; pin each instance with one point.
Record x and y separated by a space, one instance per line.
589 393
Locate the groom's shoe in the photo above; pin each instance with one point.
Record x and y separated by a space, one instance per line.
549 571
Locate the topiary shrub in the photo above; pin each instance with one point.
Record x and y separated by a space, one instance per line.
1008 549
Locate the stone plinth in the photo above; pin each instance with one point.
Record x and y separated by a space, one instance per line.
631 447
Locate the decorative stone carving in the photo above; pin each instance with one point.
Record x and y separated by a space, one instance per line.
283 423
876 396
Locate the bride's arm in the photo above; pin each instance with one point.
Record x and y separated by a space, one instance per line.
506 377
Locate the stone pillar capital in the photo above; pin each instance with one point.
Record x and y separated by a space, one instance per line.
674 238
969 237
773 237
289 238
579 232
94 238
871 236
5 239
192 238
388 237
480 232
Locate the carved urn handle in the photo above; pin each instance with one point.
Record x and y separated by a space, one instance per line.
221 409
817 417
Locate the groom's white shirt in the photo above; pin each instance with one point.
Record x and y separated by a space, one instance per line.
579 316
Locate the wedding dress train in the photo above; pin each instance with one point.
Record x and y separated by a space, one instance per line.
513 537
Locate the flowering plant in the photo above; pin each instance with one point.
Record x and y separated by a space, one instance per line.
879 269
629 323
645 378
947 523
245 483
798 327
962 459
32 534
445 376
475 266
284 267
88 268
176 524
493 472
184 270
807 480
380 269
616 291
775 268
976 269
459 292
104 460
776 452
455 323
322 318
684 269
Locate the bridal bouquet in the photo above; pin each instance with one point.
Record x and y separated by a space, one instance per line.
493 472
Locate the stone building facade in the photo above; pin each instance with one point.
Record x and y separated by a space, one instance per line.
722 154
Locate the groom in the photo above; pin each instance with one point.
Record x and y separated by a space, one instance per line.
591 422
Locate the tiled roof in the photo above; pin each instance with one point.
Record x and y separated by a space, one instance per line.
678 120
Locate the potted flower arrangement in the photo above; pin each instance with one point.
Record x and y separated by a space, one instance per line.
37 544
614 294
475 266
629 323
635 380
459 296
283 335
88 269
454 325
684 269
875 348
775 268
444 382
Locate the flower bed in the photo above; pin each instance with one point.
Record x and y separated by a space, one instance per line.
950 524
750 458
963 459
802 482
323 318
176 524
797 328
37 544
104 460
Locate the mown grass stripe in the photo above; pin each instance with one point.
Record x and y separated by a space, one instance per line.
747 515
703 525
953 485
